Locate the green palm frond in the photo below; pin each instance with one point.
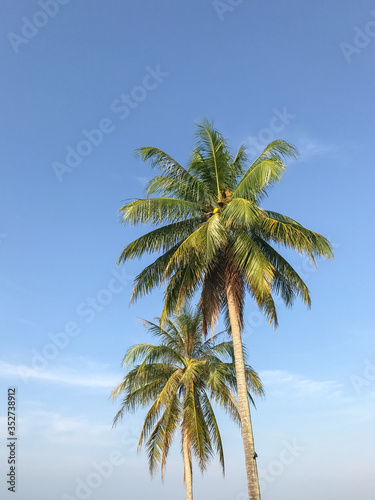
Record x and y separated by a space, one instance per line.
239 166
289 233
171 169
196 427
158 211
258 270
152 276
168 186
204 242
213 427
168 335
257 179
152 354
286 281
161 239
182 286
212 297
241 212
210 154
161 437
161 402
265 170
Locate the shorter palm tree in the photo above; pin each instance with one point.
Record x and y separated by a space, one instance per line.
180 377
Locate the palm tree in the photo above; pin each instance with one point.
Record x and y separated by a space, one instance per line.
214 236
179 377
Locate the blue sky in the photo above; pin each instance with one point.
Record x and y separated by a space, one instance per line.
135 74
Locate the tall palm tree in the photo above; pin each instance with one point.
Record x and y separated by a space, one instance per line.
213 235
179 377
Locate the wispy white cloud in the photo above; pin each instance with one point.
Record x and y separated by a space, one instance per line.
284 383
26 322
56 428
142 180
69 377
310 148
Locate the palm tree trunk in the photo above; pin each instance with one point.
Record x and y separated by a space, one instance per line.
244 408
187 467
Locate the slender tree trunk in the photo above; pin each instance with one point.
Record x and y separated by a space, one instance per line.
244 408
187 468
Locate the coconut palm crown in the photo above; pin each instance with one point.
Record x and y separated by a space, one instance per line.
177 380
212 230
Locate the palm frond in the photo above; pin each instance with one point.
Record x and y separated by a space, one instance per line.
196 427
158 211
172 170
152 276
182 286
289 233
256 269
212 297
241 211
265 170
193 190
161 239
211 158
213 427
160 440
286 281
238 166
